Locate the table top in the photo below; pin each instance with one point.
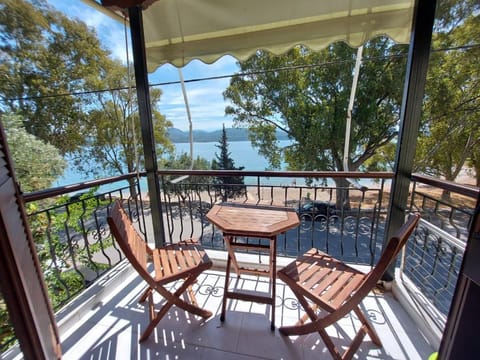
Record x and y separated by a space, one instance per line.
244 219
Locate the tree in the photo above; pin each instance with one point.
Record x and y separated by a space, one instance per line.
183 162
37 163
46 59
305 94
474 163
383 159
183 188
44 54
114 145
450 136
227 186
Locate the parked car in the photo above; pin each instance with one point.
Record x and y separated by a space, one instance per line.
317 214
314 208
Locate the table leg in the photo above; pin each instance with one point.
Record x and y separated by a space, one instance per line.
231 253
273 277
231 260
225 291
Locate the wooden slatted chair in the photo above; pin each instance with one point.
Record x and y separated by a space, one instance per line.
184 260
338 289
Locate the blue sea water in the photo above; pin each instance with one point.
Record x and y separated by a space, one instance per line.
242 153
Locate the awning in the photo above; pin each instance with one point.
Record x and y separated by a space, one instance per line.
178 31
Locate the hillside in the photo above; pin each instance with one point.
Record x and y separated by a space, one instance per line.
233 134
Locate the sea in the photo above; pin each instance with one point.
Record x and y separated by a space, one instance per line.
242 153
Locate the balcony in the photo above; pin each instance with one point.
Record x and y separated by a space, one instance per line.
94 290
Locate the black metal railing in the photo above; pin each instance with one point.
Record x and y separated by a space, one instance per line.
432 259
75 247
351 229
70 230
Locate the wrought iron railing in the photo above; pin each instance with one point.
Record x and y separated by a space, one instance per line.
351 230
432 259
70 230
75 246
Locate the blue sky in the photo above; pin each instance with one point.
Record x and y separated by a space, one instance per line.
207 106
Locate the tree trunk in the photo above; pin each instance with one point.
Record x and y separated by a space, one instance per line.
132 184
343 193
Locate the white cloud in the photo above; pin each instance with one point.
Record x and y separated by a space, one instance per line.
205 99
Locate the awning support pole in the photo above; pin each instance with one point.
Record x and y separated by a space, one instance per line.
149 148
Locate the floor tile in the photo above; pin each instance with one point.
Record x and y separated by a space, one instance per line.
112 327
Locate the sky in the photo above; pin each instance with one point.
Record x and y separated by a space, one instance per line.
205 99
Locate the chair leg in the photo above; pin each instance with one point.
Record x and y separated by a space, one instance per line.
176 300
310 328
305 316
173 299
356 342
369 328
151 306
300 328
191 296
330 345
145 294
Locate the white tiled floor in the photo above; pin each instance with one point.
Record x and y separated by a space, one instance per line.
110 329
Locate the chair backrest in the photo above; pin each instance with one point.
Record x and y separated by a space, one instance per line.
394 246
391 251
132 244
396 243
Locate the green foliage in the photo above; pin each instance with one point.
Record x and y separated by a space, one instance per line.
450 137
115 143
62 285
7 333
382 160
37 164
183 162
227 186
45 54
63 262
46 57
308 101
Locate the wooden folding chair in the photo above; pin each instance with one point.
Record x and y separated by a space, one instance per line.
338 289
184 260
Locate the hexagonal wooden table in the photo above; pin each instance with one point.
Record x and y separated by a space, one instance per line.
253 221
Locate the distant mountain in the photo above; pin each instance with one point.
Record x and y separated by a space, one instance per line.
233 134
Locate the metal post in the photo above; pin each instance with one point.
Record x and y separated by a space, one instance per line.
149 146
417 65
